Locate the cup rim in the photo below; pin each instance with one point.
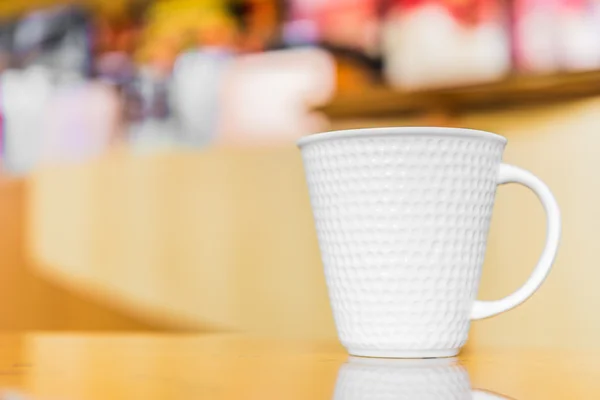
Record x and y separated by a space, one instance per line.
400 131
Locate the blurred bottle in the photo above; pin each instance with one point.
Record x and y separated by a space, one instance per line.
6 39
196 93
151 126
197 83
25 96
54 50
7 29
553 35
535 35
437 43
578 34
26 91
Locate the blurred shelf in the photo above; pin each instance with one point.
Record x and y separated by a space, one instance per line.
515 91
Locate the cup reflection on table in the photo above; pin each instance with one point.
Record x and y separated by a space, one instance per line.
425 379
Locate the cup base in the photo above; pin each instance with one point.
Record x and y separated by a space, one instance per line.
402 353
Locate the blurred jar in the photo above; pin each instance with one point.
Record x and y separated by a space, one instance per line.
25 96
578 34
6 33
151 125
438 43
556 35
535 35
196 89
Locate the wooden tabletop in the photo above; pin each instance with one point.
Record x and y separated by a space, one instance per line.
211 367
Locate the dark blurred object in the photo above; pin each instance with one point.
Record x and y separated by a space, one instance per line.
354 70
58 38
116 68
150 123
7 29
348 29
258 23
121 32
241 10
146 96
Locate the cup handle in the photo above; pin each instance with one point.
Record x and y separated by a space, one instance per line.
511 174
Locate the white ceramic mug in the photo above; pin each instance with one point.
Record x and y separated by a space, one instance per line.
402 218
374 379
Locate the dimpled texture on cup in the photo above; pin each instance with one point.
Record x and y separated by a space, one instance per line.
402 223
356 381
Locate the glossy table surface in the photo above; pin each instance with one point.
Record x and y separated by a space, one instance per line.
157 366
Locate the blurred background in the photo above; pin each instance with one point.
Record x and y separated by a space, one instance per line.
150 180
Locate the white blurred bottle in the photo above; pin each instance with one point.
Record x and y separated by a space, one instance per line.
535 36
578 34
196 89
25 97
553 35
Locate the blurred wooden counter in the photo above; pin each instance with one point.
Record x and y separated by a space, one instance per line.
221 367
221 239
28 301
